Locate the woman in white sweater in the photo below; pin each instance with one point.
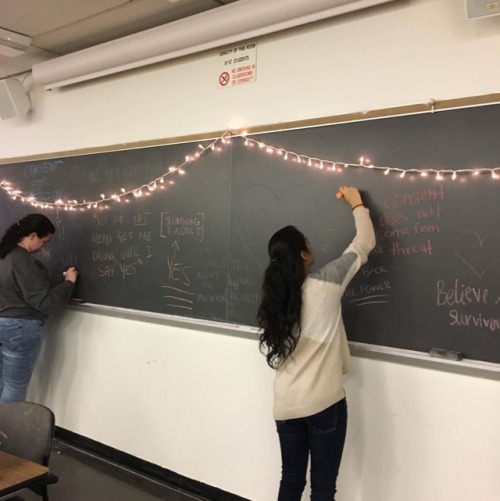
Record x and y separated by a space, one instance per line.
303 337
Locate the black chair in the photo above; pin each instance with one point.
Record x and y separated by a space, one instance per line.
28 430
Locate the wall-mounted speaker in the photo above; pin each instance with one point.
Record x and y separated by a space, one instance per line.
482 8
13 99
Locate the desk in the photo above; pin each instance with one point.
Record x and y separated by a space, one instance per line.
17 473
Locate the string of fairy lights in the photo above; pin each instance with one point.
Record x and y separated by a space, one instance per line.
168 177
336 166
122 195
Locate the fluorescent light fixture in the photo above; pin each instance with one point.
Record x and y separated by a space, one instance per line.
234 22
12 44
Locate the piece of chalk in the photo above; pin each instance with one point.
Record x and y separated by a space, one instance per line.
64 273
339 195
447 354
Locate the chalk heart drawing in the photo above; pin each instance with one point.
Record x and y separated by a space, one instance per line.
478 253
262 211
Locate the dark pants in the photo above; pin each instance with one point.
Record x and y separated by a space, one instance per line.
321 435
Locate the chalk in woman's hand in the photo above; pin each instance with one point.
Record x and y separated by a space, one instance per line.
64 273
339 195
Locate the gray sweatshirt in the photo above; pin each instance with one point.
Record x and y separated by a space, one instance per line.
25 290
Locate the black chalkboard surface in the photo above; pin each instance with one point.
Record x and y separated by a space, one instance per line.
198 247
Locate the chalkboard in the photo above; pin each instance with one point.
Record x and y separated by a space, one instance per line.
198 247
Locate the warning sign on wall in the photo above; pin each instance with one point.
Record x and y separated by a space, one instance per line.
237 65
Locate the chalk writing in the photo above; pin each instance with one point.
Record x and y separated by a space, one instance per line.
36 169
413 198
461 294
376 291
106 174
410 222
398 249
179 282
241 285
182 225
118 249
60 228
211 298
479 253
469 320
44 255
68 260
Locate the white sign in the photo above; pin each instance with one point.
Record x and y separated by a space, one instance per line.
237 65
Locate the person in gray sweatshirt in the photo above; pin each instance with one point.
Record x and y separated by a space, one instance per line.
27 298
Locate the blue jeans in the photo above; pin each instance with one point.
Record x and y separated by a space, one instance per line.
20 344
322 436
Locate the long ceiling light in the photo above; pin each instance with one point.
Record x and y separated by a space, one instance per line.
228 24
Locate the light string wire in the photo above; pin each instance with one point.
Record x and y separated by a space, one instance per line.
121 195
168 177
331 165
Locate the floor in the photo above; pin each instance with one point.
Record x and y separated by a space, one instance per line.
84 477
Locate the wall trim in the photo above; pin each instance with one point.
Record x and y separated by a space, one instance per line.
145 468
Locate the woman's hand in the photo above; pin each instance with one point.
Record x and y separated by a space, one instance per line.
71 274
351 195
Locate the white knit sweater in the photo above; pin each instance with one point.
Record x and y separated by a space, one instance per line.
311 378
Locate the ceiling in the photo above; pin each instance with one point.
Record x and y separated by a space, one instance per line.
61 27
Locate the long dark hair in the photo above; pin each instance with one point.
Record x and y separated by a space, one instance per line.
279 313
32 223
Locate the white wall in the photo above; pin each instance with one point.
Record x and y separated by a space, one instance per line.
199 403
